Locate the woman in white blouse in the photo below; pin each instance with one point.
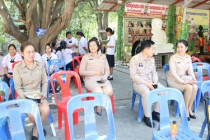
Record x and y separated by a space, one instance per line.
110 51
48 56
83 45
8 60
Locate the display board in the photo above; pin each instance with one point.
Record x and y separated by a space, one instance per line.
136 28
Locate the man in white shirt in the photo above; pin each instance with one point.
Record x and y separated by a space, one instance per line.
83 46
72 42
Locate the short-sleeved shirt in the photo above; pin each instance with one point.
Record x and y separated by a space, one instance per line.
38 57
180 66
83 43
30 80
89 65
112 42
45 59
143 69
8 61
71 42
67 55
59 54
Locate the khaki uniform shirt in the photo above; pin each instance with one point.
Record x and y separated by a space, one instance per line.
143 69
89 65
29 80
180 66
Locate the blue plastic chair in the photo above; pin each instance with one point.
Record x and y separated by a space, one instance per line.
12 87
205 88
4 87
199 67
80 101
166 69
140 109
3 121
13 111
4 129
50 118
57 64
163 133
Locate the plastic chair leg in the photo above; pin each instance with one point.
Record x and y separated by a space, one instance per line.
7 131
75 117
112 101
197 99
50 119
67 132
203 128
140 110
172 102
177 110
133 100
59 119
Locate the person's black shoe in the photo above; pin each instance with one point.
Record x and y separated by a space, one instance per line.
147 122
192 116
188 118
156 116
34 138
110 78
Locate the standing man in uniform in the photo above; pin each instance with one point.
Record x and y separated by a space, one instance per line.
144 76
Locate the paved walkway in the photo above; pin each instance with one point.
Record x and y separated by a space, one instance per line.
126 125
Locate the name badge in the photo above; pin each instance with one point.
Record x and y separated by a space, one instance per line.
140 65
90 58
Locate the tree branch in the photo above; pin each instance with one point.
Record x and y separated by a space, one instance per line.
32 5
57 9
9 27
61 23
46 13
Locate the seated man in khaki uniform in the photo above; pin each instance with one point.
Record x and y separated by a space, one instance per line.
144 76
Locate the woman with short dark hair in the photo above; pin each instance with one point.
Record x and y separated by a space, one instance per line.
95 68
30 81
8 60
110 51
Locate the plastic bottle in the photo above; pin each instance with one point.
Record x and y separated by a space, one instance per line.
173 129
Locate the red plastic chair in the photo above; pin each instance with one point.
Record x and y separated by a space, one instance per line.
13 65
78 60
65 96
111 98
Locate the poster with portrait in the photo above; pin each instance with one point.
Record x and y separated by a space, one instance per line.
138 29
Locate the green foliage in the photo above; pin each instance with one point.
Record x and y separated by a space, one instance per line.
84 19
171 23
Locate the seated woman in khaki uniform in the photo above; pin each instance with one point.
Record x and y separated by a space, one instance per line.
30 81
144 76
95 68
181 76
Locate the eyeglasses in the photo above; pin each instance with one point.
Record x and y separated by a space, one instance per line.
12 60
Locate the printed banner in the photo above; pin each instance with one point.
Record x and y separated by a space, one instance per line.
145 9
135 8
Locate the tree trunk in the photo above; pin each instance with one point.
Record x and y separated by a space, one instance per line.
53 15
102 21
